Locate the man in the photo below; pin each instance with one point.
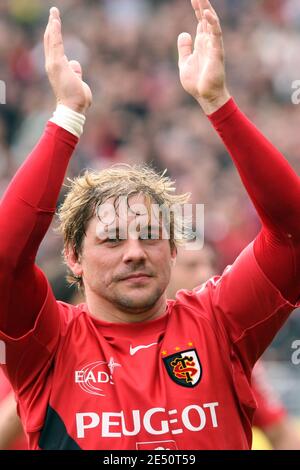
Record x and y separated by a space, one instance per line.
127 369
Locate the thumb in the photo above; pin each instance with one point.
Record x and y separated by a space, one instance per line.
76 67
185 45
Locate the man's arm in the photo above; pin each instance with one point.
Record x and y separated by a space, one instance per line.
26 212
272 185
28 205
274 189
247 297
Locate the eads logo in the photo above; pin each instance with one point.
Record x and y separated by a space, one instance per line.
183 367
92 377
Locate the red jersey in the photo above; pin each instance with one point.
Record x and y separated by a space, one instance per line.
180 381
177 382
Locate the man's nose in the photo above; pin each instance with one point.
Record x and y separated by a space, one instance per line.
133 251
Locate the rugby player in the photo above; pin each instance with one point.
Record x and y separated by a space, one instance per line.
128 369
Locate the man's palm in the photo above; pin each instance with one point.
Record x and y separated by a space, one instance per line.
65 76
201 66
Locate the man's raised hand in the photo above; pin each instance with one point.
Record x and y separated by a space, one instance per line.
201 66
65 76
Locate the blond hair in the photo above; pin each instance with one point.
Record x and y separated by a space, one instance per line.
87 192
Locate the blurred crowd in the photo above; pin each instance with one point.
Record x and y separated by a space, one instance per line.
140 112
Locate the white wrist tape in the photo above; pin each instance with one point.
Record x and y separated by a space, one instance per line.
68 119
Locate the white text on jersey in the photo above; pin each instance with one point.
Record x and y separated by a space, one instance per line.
192 417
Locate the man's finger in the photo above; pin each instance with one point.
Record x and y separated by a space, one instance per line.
206 5
213 24
76 67
56 46
197 9
54 12
185 45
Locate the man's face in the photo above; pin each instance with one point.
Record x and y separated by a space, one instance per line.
131 273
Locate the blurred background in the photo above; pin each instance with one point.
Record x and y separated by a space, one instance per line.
141 114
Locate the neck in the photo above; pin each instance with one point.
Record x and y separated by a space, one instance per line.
105 310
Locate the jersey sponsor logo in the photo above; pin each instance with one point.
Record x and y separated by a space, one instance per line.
184 367
133 351
93 377
154 421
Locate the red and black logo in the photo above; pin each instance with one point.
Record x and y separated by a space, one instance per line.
184 368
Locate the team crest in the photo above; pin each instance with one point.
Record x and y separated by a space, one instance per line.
184 367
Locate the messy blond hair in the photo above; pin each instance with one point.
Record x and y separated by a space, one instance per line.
87 192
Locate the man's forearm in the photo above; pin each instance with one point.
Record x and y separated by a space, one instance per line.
270 181
30 201
274 189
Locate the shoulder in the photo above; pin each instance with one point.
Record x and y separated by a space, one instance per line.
68 314
200 295
199 301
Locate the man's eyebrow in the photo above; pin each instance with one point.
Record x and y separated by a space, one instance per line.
150 227
116 232
104 234
152 230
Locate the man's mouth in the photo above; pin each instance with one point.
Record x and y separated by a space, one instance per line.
139 276
136 276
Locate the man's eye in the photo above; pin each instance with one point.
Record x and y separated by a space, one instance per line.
112 240
149 234
146 235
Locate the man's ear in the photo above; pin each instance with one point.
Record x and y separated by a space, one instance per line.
73 261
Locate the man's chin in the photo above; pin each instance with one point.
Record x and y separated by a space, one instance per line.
138 301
